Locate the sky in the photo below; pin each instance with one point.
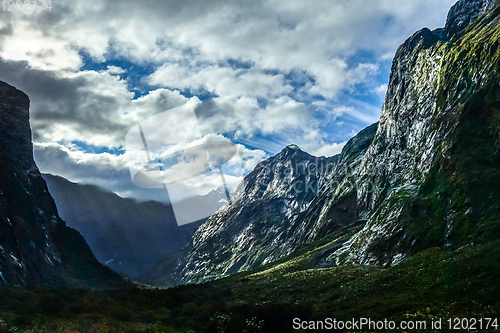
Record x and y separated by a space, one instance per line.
268 74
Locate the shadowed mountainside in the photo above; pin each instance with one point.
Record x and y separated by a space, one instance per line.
124 234
36 246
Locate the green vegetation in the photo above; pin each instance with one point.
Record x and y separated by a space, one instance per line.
460 195
432 284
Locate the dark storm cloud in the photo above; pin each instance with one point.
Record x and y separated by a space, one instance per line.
57 100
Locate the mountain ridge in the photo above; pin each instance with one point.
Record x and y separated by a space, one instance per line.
286 183
126 235
422 180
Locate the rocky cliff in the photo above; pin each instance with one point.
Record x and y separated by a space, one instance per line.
438 143
263 222
35 244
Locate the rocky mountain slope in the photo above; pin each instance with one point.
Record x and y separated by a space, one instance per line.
430 176
263 221
438 141
36 246
125 235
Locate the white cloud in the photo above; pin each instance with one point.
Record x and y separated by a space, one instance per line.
222 81
329 149
114 70
111 171
250 158
277 35
381 90
243 52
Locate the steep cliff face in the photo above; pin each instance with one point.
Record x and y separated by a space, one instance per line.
35 244
435 158
28 216
263 222
464 12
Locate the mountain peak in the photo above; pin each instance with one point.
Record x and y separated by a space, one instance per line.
290 150
293 146
464 12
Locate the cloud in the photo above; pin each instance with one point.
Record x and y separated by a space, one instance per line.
111 171
276 71
88 106
114 70
381 90
278 35
108 170
329 150
249 158
222 81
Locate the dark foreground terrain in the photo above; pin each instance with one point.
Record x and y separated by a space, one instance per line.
430 285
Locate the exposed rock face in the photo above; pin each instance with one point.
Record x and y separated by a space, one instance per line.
435 158
35 244
464 12
127 236
27 214
254 229
264 220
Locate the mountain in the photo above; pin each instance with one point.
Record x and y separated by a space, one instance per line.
262 221
426 176
438 141
36 246
124 234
